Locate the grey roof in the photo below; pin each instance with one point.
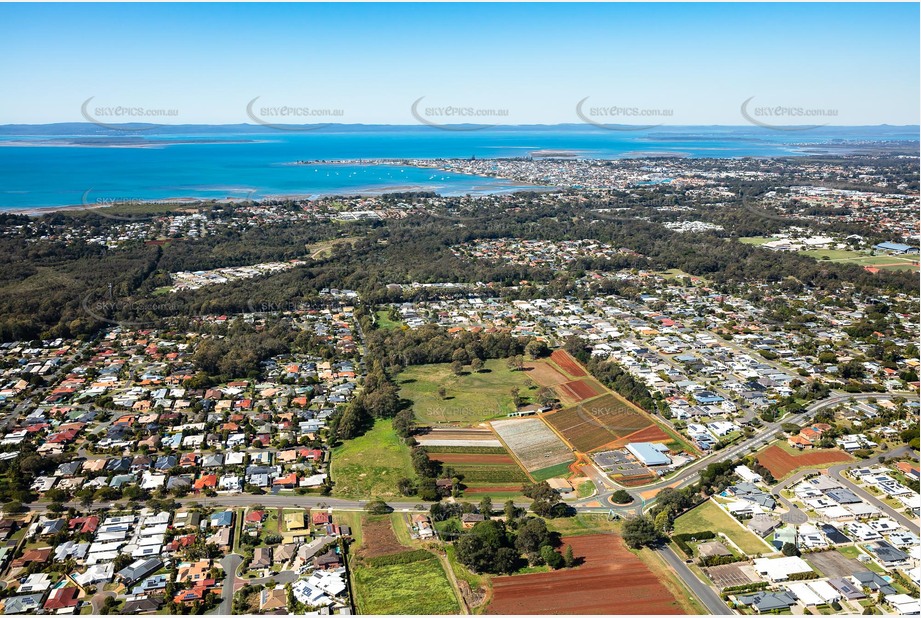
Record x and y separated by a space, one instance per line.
843 496
766 601
139 569
137 606
23 603
869 579
846 588
887 553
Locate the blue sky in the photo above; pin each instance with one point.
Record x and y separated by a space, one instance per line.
537 61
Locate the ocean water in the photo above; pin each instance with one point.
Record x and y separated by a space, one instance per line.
44 168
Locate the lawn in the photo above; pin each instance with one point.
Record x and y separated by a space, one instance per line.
469 398
709 516
419 587
370 465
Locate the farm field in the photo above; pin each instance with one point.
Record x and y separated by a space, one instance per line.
579 390
611 580
482 468
781 462
454 438
370 465
601 421
469 398
709 516
534 444
568 364
544 373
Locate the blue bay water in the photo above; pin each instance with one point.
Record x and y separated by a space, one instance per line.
217 165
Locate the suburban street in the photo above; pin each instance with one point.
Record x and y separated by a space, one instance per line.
705 594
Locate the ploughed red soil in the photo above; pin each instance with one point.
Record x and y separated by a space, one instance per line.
544 374
580 390
611 580
472 458
567 363
781 463
378 538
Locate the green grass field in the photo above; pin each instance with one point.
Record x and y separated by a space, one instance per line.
384 322
419 587
709 516
470 398
755 240
548 473
583 523
371 465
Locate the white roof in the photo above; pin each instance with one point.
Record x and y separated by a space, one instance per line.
805 594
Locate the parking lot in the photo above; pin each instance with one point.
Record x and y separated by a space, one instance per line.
619 462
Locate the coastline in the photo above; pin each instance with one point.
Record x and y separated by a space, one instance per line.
38 211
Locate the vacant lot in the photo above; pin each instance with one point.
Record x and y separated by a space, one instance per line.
378 538
834 564
781 462
413 588
533 443
727 575
371 465
709 516
611 580
469 398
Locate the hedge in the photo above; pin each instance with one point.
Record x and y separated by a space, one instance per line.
682 539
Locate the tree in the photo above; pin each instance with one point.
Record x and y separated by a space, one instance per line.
536 349
789 549
457 368
640 532
511 511
442 392
476 365
404 423
406 486
621 496
553 559
377 507
568 558
485 507
13 506
664 521
532 535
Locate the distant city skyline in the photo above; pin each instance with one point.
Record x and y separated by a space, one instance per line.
442 64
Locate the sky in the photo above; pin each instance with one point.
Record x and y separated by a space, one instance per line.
658 63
